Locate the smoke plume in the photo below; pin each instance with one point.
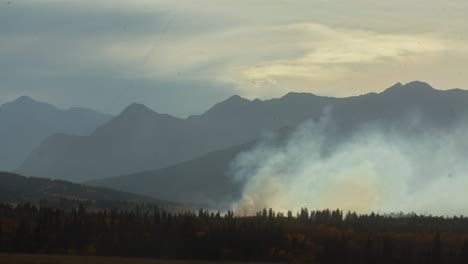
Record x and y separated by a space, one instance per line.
408 166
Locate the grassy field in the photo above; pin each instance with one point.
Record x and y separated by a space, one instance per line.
52 259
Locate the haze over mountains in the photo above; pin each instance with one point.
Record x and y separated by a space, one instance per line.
407 111
140 139
204 180
25 123
166 148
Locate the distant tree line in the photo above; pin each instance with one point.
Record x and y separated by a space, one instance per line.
324 236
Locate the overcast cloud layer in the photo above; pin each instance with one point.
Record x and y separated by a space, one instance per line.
180 57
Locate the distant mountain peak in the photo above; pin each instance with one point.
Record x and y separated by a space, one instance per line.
26 103
136 108
137 111
233 102
235 98
411 86
297 95
25 100
418 85
396 86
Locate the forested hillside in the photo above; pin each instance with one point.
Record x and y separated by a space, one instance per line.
16 189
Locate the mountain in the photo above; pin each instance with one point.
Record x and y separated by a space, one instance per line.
413 102
138 139
142 140
412 109
19 189
204 180
25 123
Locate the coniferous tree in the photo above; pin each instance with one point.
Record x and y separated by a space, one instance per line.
437 248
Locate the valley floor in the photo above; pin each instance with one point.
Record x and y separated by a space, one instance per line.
54 259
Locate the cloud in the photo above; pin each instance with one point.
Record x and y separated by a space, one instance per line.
329 54
57 51
259 59
255 48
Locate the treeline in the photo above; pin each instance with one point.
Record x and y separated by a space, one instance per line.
328 236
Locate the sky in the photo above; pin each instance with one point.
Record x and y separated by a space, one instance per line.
181 57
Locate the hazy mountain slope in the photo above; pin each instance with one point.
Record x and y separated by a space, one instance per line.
245 120
411 109
24 123
203 180
140 139
414 106
136 140
19 189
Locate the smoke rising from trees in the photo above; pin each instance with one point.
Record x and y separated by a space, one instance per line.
407 166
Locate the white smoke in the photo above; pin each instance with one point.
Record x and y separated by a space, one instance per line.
377 168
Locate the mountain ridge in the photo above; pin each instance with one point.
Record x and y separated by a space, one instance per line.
25 123
150 141
20 189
